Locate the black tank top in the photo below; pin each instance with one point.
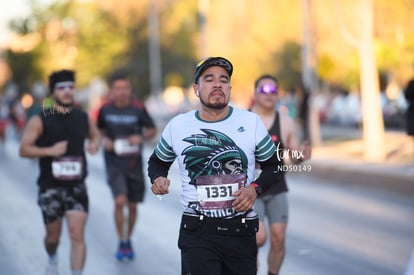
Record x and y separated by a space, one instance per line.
69 169
274 132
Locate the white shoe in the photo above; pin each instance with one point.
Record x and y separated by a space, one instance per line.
52 269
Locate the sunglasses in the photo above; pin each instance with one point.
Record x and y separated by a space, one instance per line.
66 85
268 89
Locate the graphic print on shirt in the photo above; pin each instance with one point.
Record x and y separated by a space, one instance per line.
218 168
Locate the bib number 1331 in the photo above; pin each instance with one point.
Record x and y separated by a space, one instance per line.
213 192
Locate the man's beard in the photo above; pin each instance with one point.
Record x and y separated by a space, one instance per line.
214 106
67 106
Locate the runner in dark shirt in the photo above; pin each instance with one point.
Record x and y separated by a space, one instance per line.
125 125
273 204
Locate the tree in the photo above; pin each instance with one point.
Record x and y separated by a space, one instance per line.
98 37
73 35
359 32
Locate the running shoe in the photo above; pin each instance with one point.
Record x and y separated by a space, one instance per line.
120 253
52 268
125 251
129 252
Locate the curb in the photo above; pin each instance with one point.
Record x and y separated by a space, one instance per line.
391 182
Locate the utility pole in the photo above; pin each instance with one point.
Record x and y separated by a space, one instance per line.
154 50
309 76
203 8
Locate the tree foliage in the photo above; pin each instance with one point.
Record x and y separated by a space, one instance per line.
101 36
97 38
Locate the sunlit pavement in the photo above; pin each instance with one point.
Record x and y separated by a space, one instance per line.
341 159
337 225
21 245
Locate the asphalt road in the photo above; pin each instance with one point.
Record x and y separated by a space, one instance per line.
335 228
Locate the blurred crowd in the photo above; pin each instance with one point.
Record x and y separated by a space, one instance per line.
13 115
342 108
335 107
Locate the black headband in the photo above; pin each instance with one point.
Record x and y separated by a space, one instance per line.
60 76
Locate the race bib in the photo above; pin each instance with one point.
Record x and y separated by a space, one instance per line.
67 168
122 147
216 192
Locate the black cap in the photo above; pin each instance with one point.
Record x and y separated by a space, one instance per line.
60 76
210 62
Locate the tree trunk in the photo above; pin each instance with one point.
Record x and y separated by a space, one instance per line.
359 32
373 125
